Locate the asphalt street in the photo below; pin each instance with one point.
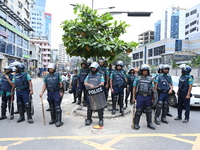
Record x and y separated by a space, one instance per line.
116 134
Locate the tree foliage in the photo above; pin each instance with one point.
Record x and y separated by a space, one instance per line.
94 35
195 62
124 58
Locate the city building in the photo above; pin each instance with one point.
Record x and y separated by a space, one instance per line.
176 39
14 32
54 55
48 27
45 52
63 58
37 14
146 37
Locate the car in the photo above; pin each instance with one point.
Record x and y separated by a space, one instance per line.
194 100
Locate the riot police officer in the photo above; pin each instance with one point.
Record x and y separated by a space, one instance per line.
6 87
81 87
94 82
184 92
142 91
24 88
103 70
53 84
131 77
118 81
163 83
73 85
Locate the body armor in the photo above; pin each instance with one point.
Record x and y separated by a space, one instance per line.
53 82
131 79
144 85
74 80
183 86
21 81
5 86
118 79
163 83
83 74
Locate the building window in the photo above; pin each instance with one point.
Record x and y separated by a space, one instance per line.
10 49
193 29
150 53
141 54
19 52
19 40
2 46
178 45
193 12
187 14
187 26
192 23
26 44
159 50
187 32
11 36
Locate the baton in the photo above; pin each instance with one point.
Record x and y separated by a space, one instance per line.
11 101
43 111
133 116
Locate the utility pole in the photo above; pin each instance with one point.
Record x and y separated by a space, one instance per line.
92 4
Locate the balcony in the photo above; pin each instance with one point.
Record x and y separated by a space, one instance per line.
47 58
45 63
46 52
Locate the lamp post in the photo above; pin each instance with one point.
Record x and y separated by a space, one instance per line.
112 7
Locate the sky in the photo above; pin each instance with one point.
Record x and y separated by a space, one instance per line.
62 10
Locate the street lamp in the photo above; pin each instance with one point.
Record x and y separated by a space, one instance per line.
132 14
112 7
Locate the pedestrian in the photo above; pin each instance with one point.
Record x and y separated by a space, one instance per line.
143 93
118 81
24 88
81 87
164 85
53 84
104 71
73 85
184 92
94 83
130 77
6 87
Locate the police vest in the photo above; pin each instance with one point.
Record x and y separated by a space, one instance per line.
74 80
53 81
83 74
131 79
183 86
118 79
5 85
144 85
110 71
103 70
164 83
94 79
21 81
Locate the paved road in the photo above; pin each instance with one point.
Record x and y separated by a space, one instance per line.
116 134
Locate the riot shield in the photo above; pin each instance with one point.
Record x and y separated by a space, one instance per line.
96 97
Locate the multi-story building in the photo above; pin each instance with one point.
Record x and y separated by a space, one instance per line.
176 39
14 32
63 58
146 37
192 24
48 26
45 52
171 25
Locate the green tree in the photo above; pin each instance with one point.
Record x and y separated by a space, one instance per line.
124 58
195 62
94 35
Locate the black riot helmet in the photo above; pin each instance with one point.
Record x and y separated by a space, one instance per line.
144 67
85 63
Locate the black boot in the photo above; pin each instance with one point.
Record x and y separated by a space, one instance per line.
28 111
21 112
168 113
121 104
115 98
74 94
79 97
158 111
164 113
138 113
52 113
58 116
3 110
100 113
11 110
85 98
88 121
149 118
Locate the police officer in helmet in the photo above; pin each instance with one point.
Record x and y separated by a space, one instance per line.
184 92
142 91
73 85
118 81
53 84
81 87
24 88
164 85
6 87
95 79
